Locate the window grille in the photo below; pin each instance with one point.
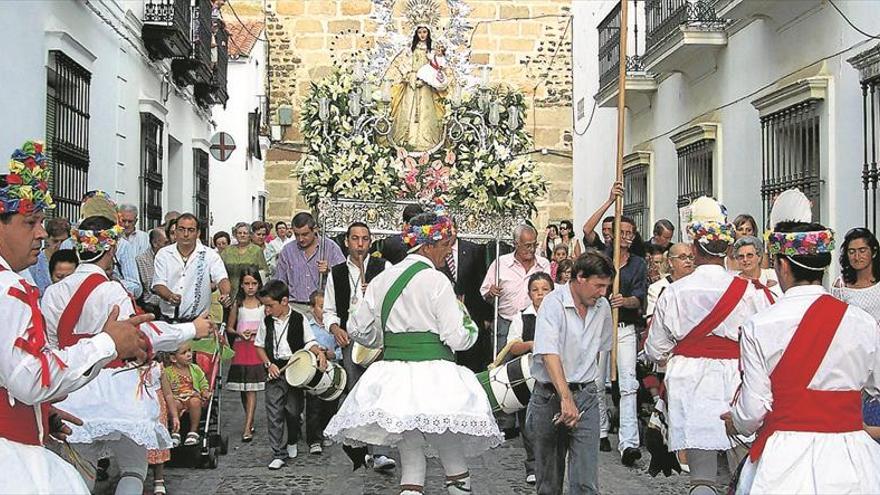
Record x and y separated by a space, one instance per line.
200 185
635 196
695 171
67 132
151 171
790 154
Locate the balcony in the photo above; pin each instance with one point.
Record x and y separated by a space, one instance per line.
196 67
214 92
640 84
166 28
682 36
781 12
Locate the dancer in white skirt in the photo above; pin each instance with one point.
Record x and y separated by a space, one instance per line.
417 396
806 362
31 374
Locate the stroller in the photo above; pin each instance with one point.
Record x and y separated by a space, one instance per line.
212 442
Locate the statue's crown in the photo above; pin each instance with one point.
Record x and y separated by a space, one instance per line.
422 13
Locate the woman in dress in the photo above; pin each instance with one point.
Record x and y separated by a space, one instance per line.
417 108
858 285
748 251
242 255
568 239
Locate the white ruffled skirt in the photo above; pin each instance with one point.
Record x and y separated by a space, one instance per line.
438 397
115 404
33 469
804 462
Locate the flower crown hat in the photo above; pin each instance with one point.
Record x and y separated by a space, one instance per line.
708 223
793 206
441 228
94 242
27 183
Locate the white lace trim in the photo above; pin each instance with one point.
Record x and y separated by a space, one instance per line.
151 435
376 427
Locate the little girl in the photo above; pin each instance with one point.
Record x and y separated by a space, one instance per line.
247 374
167 410
189 388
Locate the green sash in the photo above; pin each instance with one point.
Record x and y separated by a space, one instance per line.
410 346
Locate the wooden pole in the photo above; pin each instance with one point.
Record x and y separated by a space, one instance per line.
618 204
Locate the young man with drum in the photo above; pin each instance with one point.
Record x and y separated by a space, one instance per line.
282 333
573 325
416 395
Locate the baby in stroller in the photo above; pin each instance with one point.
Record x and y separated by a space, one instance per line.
190 389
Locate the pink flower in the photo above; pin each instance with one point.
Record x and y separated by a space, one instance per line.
423 159
450 157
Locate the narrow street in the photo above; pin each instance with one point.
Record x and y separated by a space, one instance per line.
498 472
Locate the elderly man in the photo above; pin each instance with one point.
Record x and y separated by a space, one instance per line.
146 267
303 264
663 232
681 264
274 247
511 286
58 230
185 272
128 219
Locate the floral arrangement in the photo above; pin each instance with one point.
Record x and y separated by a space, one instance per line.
27 184
800 243
490 173
711 230
95 242
430 234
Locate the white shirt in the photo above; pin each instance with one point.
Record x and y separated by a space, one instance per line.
21 372
273 249
428 304
516 324
354 276
98 306
654 291
282 349
192 280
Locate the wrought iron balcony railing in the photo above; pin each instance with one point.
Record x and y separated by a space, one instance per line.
166 28
609 45
214 92
664 17
196 66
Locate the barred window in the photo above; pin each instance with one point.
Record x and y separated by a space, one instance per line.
261 207
151 171
635 196
200 185
695 171
790 151
67 132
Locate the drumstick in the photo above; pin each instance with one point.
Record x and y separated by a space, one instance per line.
292 361
503 354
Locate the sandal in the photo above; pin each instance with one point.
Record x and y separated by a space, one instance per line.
175 440
159 487
247 437
192 438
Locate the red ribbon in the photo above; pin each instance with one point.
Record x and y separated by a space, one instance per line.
35 343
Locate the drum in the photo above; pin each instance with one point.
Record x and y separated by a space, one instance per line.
302 372
363 355
509 386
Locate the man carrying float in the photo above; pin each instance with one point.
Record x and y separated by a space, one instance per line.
417 395
695 332
805 362
31 374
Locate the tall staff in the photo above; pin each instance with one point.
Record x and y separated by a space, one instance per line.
618 202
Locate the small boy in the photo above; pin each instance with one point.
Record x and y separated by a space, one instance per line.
282 333
319 412
62 263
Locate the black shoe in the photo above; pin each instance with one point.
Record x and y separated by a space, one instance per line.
630 456
511 433
604 445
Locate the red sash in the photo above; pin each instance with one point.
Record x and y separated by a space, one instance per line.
700 343
17 423
72 313
797 408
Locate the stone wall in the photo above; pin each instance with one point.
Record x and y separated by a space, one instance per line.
526 42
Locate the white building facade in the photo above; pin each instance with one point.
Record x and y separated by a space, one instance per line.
237 185
95 81
737 99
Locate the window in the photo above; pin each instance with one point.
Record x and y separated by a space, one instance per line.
67 132
790 151
254 135
695 171
635 183
261 205
200 190
151 171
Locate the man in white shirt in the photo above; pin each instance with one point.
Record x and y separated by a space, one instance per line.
185 271
681 264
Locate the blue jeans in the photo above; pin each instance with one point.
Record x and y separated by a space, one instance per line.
552 443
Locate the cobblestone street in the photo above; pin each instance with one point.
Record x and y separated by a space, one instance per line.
497 472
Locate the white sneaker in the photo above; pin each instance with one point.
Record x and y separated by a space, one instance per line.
327 443
291 451
276 464
531 479
382 463
315 448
